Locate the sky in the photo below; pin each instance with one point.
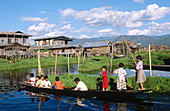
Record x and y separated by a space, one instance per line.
85 18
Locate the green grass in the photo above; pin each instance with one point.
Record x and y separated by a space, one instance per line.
156 56
93 66
31 63
159 84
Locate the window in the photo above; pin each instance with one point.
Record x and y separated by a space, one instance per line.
9 41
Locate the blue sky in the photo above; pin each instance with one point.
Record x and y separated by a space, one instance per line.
85 18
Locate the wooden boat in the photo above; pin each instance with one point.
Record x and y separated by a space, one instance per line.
119 96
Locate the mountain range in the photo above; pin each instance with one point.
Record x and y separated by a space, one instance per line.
143 39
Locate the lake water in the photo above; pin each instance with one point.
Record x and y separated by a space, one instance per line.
14 99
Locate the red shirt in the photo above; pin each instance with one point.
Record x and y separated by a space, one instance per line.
59 85
105 78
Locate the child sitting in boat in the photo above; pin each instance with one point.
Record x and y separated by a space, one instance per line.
140 74
121 79
37 80
31 80
99 84
58 84
81 86
46 83
40 82
105 79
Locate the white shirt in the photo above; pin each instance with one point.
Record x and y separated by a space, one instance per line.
81 86
46 84
32 80
121 73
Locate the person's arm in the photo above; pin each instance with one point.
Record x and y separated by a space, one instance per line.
77 87
52 85
114 71
49 84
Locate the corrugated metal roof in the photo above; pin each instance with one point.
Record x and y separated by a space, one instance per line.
96 44
13 33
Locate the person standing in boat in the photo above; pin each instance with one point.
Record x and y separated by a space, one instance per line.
81 86
46 83
140 74
105 79
121 79
58 84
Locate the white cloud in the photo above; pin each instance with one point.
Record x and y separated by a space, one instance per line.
42 12
133 19
67 13
83 36
66 27
33 19
83 29
139 1
154 28
40 29
106 33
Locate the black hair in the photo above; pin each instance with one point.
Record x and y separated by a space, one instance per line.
99 79
38 77
139 57
32 75
45 77
104 67
57 78
121 65
76 79
42 76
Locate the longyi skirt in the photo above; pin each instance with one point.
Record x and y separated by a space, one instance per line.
140 76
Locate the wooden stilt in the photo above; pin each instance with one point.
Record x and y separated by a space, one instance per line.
39 64
78 60
111 61
150 64
55 63
68 64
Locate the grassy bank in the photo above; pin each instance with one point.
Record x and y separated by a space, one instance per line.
158 57
31 63
159 84
93 65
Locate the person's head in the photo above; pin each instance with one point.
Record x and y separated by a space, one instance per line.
31 75
139 58
76 80
57 78
42 77
104 68
37 77
121 65
46 78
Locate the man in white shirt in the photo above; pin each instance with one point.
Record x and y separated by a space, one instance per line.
46 83
80 85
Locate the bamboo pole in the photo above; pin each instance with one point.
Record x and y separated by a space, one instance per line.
39 64
78 60
68 64
55 63
119 31
84 57
150 65
111 60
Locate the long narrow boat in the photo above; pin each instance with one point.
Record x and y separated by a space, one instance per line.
122 96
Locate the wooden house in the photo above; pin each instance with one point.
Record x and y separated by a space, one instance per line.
14 42
60 43
97 48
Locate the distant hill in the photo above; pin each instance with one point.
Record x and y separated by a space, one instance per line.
145 40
